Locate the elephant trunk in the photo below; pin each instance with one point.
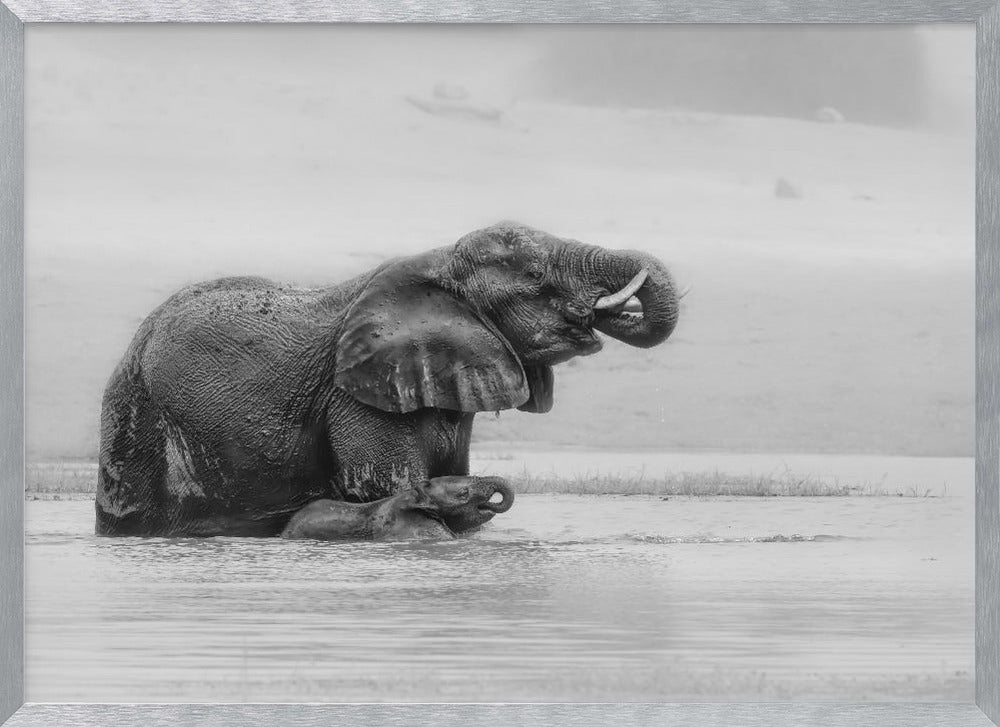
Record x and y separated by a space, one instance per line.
629 275
492 486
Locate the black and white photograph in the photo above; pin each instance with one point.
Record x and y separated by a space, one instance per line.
499 363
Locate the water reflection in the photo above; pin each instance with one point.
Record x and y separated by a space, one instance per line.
567 598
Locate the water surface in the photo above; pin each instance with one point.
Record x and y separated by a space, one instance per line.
589 598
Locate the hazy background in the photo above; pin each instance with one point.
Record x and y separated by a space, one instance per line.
838 321
835 317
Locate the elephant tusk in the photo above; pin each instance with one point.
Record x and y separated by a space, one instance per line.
632 305
610 301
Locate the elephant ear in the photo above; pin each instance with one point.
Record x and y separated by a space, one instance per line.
420 501
407 343
540 385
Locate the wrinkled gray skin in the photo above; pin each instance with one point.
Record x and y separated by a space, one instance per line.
241 400
430 510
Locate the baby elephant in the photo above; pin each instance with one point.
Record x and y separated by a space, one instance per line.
433 509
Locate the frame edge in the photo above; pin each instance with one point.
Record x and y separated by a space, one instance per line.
501 11
988 363
11 361
12 323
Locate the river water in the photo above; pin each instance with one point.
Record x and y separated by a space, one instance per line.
564 598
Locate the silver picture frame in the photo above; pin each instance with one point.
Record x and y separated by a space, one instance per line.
985 14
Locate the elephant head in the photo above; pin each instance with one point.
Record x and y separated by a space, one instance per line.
463 502
477 326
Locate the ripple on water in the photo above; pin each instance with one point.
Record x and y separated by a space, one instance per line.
566 590
708 538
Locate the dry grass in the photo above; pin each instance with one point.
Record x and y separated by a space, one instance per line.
703 484
53 480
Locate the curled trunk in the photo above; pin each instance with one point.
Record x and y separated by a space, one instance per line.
493 486
657 297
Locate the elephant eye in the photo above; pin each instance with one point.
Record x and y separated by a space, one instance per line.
464 493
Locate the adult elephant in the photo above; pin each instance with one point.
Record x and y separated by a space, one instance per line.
242 400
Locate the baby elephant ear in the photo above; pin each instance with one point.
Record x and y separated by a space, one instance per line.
420 496
408 343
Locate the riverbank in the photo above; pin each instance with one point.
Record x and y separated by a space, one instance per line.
585 472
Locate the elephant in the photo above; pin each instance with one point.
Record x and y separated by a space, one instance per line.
433 509
241 400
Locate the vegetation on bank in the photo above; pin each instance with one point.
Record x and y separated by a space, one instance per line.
704 484
55 480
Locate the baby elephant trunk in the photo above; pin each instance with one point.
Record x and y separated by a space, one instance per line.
493 486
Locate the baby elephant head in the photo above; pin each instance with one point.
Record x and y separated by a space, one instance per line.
463 502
